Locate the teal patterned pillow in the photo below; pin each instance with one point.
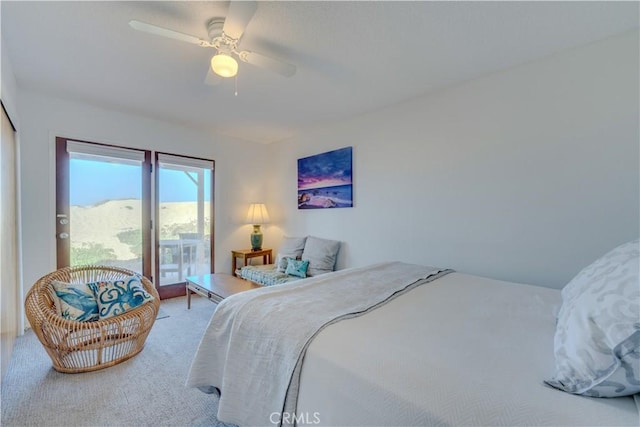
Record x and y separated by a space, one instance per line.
75 301
297 267
119 296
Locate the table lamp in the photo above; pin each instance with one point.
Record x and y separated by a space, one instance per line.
257 215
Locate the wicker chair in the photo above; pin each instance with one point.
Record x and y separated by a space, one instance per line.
88 346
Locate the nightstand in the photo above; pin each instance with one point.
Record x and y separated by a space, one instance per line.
246 254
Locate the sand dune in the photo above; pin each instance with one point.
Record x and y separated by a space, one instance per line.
101 223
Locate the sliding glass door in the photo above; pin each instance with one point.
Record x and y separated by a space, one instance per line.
184 194
103 206
104 212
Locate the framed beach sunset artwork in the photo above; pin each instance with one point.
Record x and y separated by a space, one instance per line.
325 180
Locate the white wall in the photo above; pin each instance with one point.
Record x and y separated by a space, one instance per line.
525 175
9 96
8 86
45 117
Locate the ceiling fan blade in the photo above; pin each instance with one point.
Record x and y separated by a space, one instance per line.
164 32
238 16
212 79
268 63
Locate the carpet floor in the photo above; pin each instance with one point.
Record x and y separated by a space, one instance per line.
147 390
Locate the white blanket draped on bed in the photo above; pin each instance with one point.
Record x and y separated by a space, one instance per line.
253 348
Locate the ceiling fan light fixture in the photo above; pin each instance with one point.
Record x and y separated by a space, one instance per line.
224 65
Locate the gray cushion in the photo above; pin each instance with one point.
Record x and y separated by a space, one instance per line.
292 246
321 254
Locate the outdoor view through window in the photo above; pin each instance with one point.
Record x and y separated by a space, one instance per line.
106 219
184 219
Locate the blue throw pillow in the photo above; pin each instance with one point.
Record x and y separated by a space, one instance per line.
75 301
297 267
119 296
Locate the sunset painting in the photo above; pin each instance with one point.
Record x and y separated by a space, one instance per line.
324 180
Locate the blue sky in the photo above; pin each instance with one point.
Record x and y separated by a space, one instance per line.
92 182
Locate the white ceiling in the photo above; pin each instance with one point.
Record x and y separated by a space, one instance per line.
352 57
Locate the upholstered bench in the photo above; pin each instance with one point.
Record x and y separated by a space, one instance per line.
297 258
266 275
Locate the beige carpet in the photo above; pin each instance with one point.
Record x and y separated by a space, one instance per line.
147 390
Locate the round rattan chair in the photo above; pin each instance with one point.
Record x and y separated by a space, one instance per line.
76 346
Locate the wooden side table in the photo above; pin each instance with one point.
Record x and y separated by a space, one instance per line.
246 254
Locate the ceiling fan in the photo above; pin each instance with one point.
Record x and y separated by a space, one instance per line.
224 36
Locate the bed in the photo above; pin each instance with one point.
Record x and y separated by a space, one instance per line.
438 348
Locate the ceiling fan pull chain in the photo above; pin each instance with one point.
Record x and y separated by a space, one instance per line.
236 93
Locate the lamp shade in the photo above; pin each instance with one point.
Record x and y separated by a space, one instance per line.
224 65
257 214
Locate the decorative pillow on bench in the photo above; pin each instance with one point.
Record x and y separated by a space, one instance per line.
297 267
282 260
321 254
293 246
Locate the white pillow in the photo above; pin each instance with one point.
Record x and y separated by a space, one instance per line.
321 254
282 260
293 246
597 339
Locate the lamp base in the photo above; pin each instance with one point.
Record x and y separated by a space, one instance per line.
256 238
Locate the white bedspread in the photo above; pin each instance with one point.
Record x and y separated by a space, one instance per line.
253 347
462 351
